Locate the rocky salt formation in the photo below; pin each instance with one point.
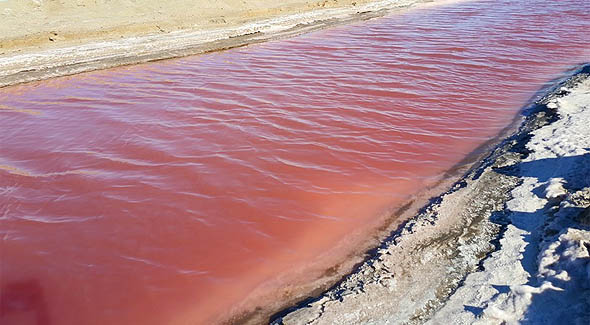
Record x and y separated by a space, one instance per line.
509 243
541 271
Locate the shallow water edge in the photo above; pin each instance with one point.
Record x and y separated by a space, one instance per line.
23 68
467 217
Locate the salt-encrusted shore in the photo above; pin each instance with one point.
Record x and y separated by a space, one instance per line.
508 243
98 49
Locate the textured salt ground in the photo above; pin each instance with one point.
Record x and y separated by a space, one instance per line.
509 243
541 272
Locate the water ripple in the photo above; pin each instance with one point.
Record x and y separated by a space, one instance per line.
249 162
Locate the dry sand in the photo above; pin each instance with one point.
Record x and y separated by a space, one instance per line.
27 25
41 39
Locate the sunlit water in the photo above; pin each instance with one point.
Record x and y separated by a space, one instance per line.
165 193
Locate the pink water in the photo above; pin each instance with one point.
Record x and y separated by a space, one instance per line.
166 193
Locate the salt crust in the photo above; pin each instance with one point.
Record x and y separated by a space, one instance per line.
541 273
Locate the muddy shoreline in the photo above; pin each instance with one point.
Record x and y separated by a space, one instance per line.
419 265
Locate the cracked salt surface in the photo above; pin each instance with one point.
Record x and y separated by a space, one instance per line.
541 273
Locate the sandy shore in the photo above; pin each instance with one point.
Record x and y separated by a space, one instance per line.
40 24
508 243
44 39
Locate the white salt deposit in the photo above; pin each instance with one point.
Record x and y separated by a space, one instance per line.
541 272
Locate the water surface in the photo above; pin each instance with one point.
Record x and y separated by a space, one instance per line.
166 193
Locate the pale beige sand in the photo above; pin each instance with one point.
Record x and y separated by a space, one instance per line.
41 39
35 24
